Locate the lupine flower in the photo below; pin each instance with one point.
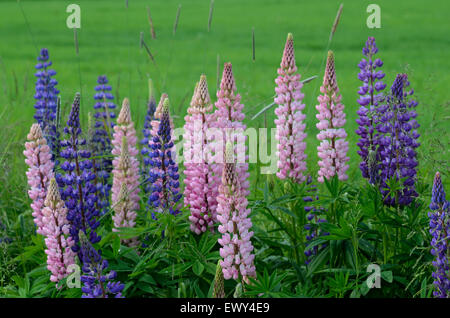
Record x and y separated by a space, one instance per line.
126 176
96 284
398 126
333 147
290 126
100 142
126 165
40 171
440 232
46 101
233 214
229 116
315 216
56 230
164 175
76 183
147 132
200 193
371 96
219 290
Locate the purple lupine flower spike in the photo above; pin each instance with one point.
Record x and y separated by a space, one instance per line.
97 284
440 232
164 175
46 101
371 96
398 129
100 142
147 132
76 182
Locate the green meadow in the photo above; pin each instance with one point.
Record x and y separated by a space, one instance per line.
413 39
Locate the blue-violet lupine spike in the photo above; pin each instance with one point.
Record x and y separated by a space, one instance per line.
398 136
76 182
440 232
147 132
314 216
101 140
370 97
46 101
164 176
97 284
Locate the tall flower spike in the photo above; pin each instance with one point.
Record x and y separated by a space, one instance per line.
76 182
333 147
398 128
56 229
229 116
126 181
126 165
96 284
200 193
219 290
369 144
46 101
147 132
440 232
100 142
164 176
233 214
290 126
40 171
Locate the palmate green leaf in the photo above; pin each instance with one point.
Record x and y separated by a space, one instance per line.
387 276
318 261
176 269
198 268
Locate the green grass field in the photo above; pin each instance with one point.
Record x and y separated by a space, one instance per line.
413 38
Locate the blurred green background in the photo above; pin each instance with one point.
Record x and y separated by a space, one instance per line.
413 38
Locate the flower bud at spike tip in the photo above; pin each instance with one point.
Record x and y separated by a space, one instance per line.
125 113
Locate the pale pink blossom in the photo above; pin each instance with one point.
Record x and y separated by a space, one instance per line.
40 171
290 126
233 214
200 192
333 147
126 168
56 229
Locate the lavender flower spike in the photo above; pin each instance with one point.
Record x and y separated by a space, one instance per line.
46 101
398 127
371 96
76 182
440 231
96 284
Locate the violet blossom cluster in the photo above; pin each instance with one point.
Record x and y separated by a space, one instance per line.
290 126
315 216
56 230
398 129
76 182
147 132
126 166
369 144
233 214
440 232
100 142
97 284
164 176
40 171
333 147
200 192
46 97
